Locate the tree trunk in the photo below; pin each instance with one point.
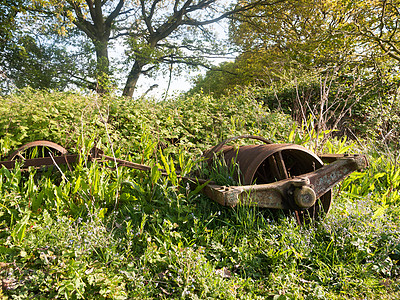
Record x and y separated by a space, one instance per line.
132 79
102 67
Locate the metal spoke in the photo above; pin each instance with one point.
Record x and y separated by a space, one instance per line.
261 174
281 166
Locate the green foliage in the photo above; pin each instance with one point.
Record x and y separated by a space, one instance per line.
92 232
8 13
155 37
27 63
220 81
380 183
320 58
190 123
346 103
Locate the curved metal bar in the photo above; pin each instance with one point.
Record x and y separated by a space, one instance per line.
48 144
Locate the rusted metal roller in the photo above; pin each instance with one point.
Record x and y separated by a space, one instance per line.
281 176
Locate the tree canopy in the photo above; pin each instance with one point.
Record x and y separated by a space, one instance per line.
58 44
292 38
150 33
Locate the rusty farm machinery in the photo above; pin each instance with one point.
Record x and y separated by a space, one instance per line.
287 177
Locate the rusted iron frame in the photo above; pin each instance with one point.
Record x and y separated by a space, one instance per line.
209 153
296 189
98 155
42 161
125 163
330 158
272 195
95 155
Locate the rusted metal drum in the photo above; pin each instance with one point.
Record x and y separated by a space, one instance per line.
268 163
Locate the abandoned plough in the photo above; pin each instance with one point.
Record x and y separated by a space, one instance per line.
275 176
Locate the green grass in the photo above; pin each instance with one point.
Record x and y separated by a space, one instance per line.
98 233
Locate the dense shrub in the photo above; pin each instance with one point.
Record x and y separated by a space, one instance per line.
199 121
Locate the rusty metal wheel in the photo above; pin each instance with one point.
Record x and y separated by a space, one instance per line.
268 163
37 149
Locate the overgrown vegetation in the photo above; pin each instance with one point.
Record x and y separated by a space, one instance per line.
364 106
98 233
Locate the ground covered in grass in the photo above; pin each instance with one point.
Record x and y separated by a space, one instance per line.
93 232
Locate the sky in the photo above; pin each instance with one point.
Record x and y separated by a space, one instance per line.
181 82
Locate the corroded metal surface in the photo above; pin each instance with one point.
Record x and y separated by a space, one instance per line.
97 154
277 176
327 177
264 168
50 145
268 163
209 153
43 148
42 161
271 195
300 192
